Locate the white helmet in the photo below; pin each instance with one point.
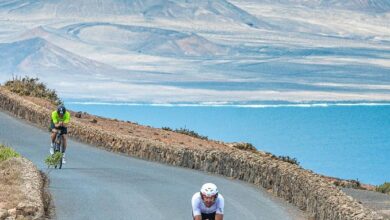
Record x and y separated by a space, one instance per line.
209 189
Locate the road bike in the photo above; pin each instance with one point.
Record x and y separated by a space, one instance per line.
59 147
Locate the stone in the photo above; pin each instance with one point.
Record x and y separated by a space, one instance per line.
12 212
26 209
78 114
3 214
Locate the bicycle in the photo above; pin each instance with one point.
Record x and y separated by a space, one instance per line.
58 147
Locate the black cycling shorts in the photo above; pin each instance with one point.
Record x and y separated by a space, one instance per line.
210 216
64 130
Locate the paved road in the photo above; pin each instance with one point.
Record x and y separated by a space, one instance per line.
374 200
96 184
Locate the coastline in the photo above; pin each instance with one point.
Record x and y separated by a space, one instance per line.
303 188
332 141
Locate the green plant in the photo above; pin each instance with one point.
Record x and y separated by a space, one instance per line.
355 184
384 188
167 128
245 146
27 86
7 152
186 132
190 133
53 160
288 159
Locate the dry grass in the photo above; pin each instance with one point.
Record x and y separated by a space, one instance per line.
10 173
10 184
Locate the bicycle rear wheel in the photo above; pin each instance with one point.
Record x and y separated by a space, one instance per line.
56 149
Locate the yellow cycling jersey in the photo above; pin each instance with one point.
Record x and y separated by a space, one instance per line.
56 118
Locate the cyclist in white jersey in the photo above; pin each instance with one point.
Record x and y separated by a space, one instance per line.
208 204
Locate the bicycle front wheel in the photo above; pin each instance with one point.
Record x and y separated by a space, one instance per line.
61 150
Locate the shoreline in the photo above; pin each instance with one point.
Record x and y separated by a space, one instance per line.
303 188
266 130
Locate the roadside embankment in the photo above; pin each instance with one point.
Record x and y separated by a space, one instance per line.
310 192
22 190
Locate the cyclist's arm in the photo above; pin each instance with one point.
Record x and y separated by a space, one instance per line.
54 119
66 118
59 124
195 208
220 208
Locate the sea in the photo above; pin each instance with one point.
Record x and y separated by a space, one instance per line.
343 140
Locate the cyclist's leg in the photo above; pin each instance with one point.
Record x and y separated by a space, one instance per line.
196 217
52 137
53 132
65 144
64 131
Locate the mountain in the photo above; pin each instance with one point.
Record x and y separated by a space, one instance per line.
206 10
146 40
39 56
376 6
191 49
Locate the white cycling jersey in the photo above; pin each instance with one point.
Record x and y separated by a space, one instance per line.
199 207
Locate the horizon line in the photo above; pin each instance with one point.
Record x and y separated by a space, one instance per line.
232 105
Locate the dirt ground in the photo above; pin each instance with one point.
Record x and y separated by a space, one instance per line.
10 185
22 194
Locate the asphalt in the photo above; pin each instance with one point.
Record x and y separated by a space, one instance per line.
374 200
97 184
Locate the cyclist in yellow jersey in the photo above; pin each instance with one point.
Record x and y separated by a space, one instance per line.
59 121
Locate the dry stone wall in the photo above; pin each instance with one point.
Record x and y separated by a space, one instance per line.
305 189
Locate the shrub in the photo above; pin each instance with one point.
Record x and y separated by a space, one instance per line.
288 159
186 132
355 184
27 86
7 152
190 133
384 188
53 160
244 146
167 128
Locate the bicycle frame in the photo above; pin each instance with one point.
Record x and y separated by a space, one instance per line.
58 146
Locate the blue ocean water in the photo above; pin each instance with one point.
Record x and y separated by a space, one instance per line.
345 141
